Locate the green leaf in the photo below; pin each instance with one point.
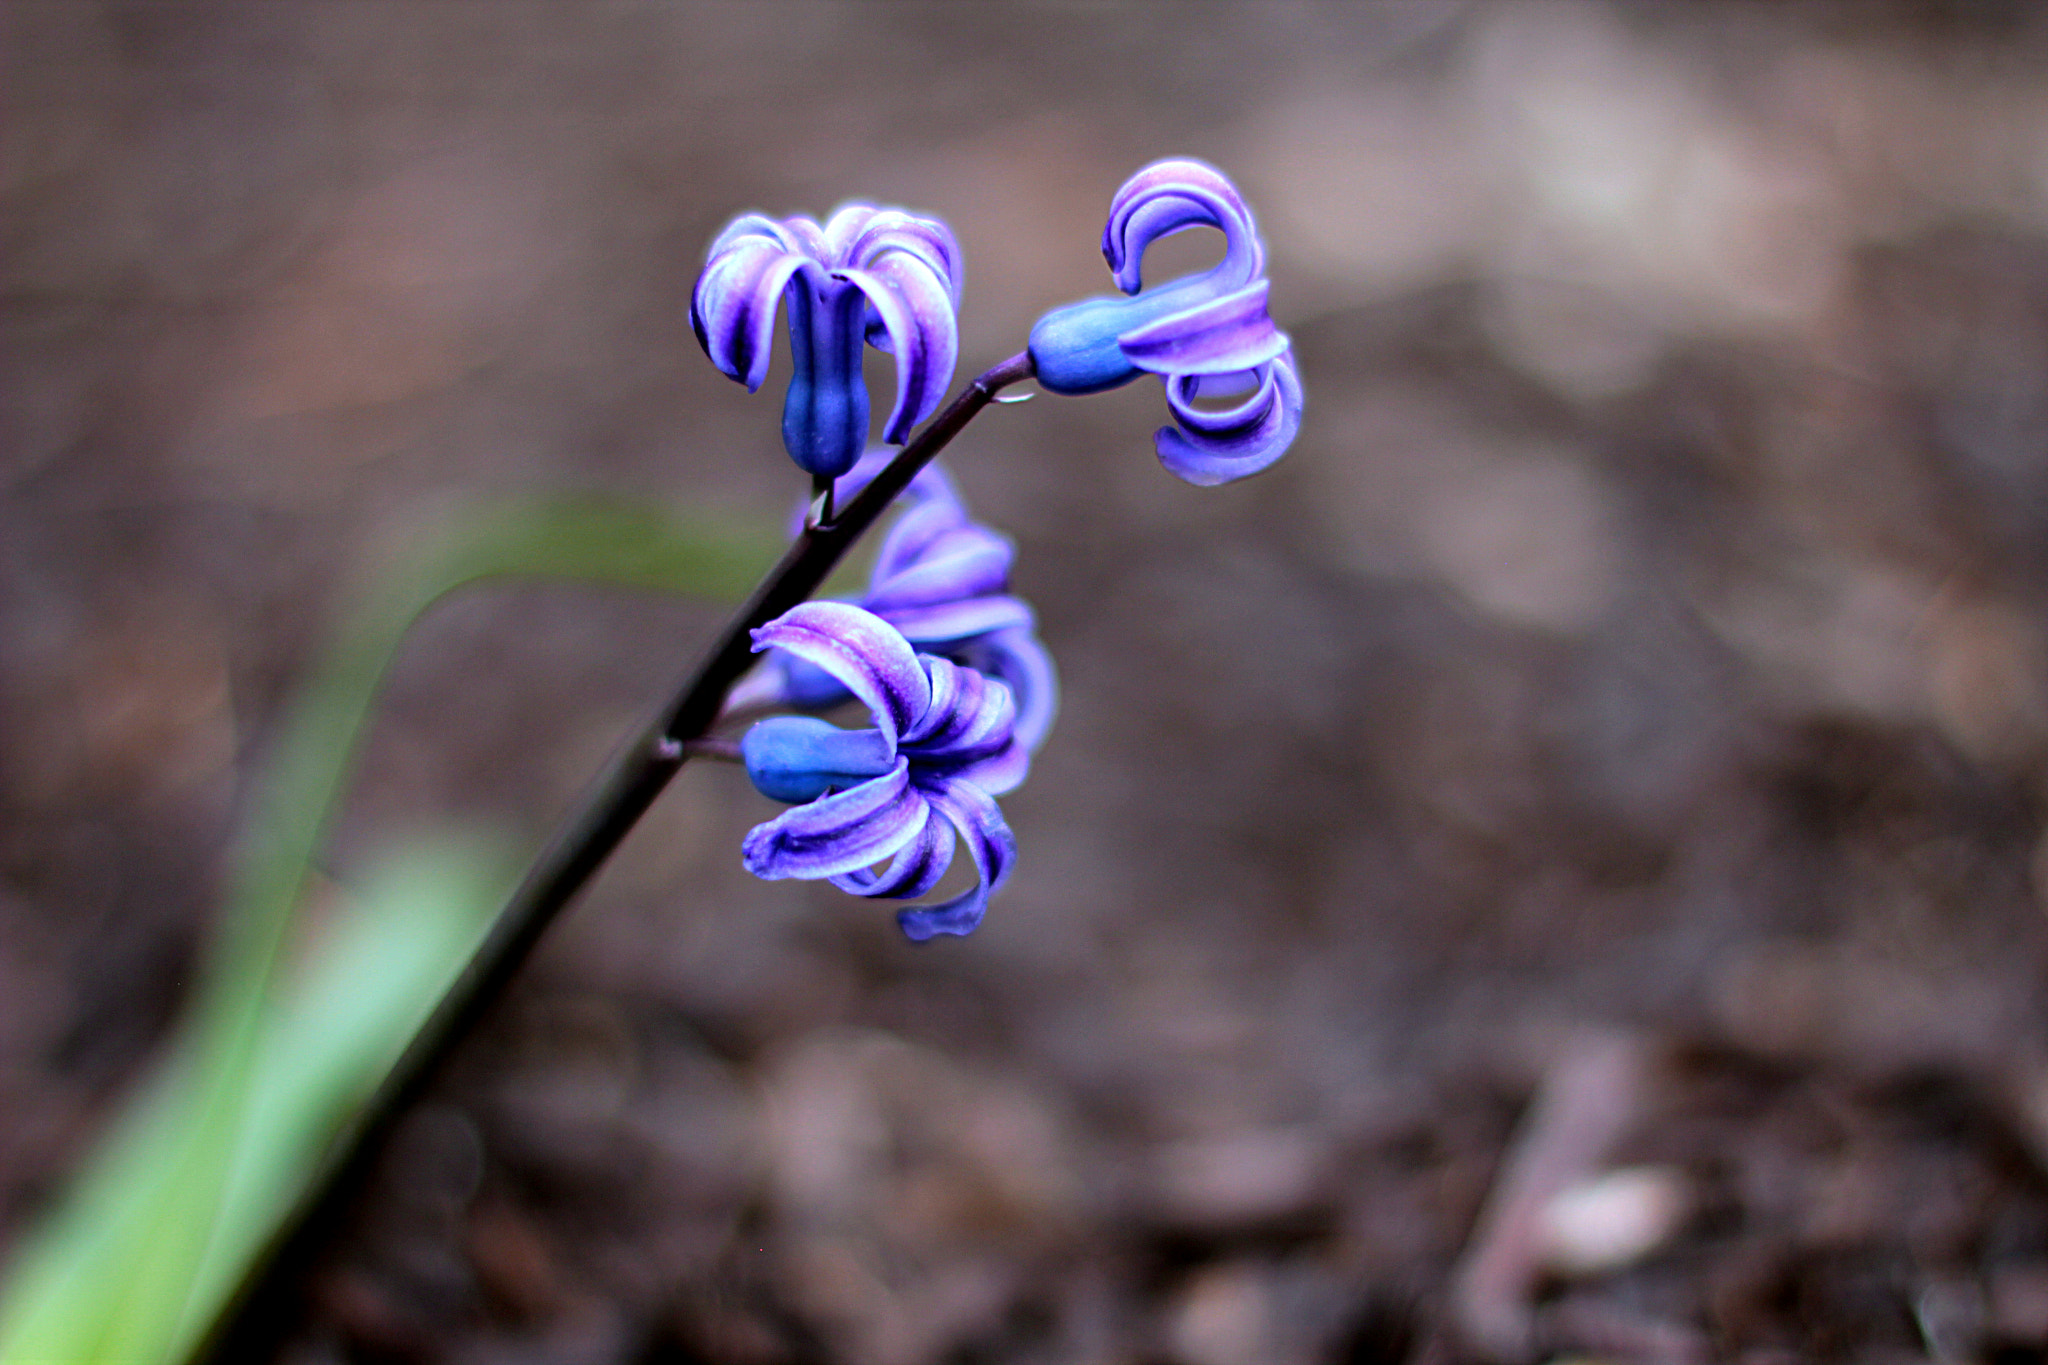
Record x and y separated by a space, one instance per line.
192 1178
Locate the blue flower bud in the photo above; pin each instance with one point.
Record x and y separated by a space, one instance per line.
825 417
1204 334
1076 348
795 759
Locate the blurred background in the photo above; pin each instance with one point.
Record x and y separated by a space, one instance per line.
1550 869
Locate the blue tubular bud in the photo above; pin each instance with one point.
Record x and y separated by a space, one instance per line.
799 758
1077 348
825 417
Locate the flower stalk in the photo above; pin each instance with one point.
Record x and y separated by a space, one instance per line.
263 1307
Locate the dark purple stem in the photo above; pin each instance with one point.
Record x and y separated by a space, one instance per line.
265 1305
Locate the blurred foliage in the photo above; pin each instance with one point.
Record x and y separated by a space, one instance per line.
275 1058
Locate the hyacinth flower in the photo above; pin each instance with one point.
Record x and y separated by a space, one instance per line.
869 277
1208 335
938 650
942 580
908 790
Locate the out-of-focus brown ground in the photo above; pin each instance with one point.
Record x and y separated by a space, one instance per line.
1548 871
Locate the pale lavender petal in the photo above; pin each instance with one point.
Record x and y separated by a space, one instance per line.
1233 332
1001 772
807 238
1217 447
733 307
943 624
960 562
837 834
862 651
841 230
749 225
916 311
925 521
927 239
989 842
1016 658
970 718
914 870
1169 196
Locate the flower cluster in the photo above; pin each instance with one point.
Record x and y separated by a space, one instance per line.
869 276
1207 335
946 660
942 580
923 779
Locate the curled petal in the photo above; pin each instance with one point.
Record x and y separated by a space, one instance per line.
807 239
784 681
970 718
839 231
733 307
1001 773
868 276
840 833
868 656
892 230
989 842
914 870
959 562
1217 447
746 229
1017 659
926 521
1169 196
945 627
1233 332
915 308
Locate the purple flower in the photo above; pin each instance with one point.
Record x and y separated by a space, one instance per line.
942 580
925 778
879 277
1207 335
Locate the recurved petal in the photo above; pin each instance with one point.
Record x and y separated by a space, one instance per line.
942 624
927 239
1169 196
840 833
1216 447
1233 332
914 870
759 225
989 842
1001 772
961 561
926 521
836 238
1018 659
971 717
916 311
732 309
807 239
865 653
